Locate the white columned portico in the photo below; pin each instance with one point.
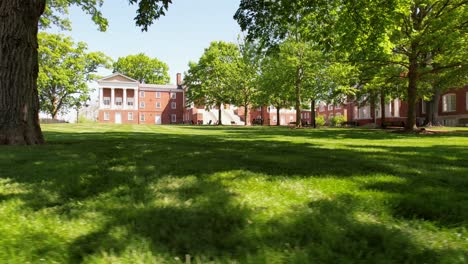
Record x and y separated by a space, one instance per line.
112 98
135 98
124 98
101 97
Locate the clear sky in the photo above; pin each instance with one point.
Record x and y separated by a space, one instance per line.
177 38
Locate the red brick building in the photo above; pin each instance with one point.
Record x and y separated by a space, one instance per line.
123 100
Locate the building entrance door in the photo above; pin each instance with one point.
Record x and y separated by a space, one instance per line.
118 118
158 119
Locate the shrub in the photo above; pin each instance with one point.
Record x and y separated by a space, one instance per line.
337 121
319 121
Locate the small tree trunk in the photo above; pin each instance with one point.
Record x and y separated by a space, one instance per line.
277 116
382 108
312 113
219 115
435 116
246 108
412 85
298 97
19 103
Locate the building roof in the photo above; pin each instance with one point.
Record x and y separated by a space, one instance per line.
117 77
160 87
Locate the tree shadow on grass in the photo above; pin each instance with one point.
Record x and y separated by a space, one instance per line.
121 170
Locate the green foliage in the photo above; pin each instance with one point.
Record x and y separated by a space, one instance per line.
337 121
143 69
57 10
320 121
106 194
65 68
209 80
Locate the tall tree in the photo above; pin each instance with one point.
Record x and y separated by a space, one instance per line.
209 81
143 68
64 70
275 86
403 30
19 24
243 78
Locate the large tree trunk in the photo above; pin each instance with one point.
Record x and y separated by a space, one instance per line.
19 103
312 113
382 108
412 90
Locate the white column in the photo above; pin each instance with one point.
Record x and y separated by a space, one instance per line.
101 97
135 98
112 98
124 98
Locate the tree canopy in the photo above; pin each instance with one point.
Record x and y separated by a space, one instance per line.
208 80
143 68
65 68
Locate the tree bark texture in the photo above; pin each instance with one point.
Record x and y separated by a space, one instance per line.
246 109
412 93
382 107
19 103
278 116
220 122
298 97
312 114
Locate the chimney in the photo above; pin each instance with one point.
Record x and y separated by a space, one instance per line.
179 79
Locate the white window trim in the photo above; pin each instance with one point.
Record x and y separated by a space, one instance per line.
106 116
130 116
142 117
173 95
142 94
158 103
106 99
173 105
445 104
466 99
173 118
142 105
158 95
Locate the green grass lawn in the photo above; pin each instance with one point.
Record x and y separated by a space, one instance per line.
153 194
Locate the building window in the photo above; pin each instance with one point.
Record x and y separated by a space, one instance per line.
130 116
173 95
396 107
106 116
158 94
423 106
173 105
158 105
142 94
118 100
142 104
173 118
364 112
338 107
321 107
274 118
107 100
130 101
291 118
142 117
330 107
449 103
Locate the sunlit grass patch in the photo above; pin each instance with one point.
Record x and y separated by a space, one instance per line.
157 194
